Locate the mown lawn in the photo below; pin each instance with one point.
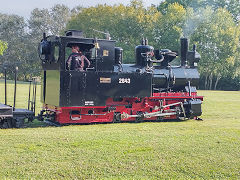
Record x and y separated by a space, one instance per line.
208 149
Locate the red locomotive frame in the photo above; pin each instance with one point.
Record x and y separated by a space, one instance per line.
161 106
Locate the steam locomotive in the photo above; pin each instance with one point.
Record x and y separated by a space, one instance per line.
110 91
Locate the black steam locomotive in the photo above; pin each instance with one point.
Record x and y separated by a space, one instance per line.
110 91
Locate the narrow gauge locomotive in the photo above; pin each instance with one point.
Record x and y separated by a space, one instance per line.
109 91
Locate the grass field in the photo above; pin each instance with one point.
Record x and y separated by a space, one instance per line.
208 149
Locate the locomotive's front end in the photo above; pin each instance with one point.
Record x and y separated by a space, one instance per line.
172 84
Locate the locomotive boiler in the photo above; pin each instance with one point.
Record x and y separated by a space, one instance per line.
151 89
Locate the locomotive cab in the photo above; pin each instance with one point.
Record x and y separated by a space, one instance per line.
92 84
54 51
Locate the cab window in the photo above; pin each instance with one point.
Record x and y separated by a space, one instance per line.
56 53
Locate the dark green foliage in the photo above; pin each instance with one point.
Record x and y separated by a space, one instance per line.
233 6
19 51
229 83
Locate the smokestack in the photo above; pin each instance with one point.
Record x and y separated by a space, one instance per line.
184 50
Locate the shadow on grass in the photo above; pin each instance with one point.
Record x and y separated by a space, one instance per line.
41 124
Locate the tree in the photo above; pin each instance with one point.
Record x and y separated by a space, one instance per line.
51 21
233 6
3 47
59 16
217 37
126 24
21 50
169 27
163 6
12 32
38 23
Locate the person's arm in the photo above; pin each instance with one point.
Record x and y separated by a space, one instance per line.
68 62
79 62
82 61
87 61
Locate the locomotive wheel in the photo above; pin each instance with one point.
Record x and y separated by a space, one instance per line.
139 119
117 118
180 115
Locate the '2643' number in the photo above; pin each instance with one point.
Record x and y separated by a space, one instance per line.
124 80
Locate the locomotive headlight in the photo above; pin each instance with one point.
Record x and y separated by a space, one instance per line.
44 49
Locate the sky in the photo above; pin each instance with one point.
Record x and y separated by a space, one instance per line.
24 7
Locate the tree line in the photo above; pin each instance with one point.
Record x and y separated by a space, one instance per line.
212 25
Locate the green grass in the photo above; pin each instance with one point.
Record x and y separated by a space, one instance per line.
208 149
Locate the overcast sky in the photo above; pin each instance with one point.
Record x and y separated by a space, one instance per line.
24 7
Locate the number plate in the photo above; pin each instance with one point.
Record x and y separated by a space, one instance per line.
124 80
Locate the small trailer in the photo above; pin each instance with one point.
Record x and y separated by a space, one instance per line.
12 117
